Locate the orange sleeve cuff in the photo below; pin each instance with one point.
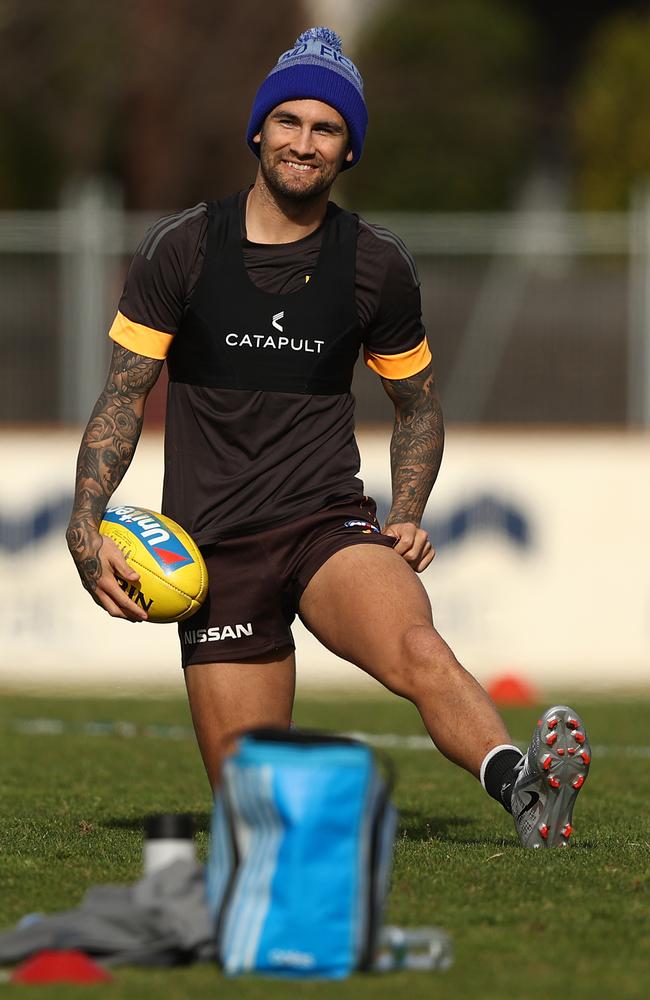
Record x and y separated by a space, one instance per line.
394 366
140 339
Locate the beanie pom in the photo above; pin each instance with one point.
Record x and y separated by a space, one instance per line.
321 35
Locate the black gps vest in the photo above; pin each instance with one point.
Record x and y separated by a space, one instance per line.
236 336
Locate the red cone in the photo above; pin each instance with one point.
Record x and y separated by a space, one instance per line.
510 689
60 967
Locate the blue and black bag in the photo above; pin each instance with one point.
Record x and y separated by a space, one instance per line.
300 855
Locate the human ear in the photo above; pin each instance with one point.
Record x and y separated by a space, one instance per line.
258 137
349 156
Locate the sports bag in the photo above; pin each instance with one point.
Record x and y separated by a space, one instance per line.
300 855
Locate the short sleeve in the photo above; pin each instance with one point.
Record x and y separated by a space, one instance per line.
388 292
161 277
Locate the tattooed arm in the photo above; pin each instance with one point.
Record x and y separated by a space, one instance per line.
415 456
105 454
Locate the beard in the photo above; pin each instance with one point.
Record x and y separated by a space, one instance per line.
300 189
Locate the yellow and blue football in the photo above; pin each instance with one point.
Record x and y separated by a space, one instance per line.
173 575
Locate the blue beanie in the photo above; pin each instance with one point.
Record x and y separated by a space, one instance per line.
315 69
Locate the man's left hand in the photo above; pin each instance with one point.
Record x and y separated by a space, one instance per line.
412 544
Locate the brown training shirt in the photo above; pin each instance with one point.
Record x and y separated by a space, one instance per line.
239 460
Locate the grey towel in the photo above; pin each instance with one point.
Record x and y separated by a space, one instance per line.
162 919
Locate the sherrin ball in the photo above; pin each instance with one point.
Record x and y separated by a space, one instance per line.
173 576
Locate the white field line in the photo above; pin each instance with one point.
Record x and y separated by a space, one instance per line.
131 730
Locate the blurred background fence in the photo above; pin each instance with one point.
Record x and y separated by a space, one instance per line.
509 146
534 316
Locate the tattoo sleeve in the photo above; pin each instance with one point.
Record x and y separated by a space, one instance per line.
416 445
106 451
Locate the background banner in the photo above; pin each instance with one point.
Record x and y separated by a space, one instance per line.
542 545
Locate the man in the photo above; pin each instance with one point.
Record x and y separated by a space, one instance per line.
260 304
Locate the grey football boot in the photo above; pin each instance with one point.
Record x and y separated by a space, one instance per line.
549 777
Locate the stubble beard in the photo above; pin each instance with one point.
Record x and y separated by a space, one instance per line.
283 187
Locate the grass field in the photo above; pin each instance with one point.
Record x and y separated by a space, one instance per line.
574 922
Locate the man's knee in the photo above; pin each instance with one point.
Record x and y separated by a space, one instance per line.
424 661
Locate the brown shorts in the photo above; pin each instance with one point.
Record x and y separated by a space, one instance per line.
256 582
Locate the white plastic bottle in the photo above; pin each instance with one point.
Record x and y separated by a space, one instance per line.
169 837
417 948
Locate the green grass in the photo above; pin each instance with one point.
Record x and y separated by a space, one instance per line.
574 921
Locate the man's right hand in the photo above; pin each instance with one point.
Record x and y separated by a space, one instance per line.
99 561
106 450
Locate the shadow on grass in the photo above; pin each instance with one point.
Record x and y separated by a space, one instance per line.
419 826
415 826
201 822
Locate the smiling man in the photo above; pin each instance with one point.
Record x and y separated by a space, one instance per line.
305 147
260 304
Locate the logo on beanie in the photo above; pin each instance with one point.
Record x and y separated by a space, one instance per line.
322 43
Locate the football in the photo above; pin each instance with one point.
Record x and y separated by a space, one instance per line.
173 575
